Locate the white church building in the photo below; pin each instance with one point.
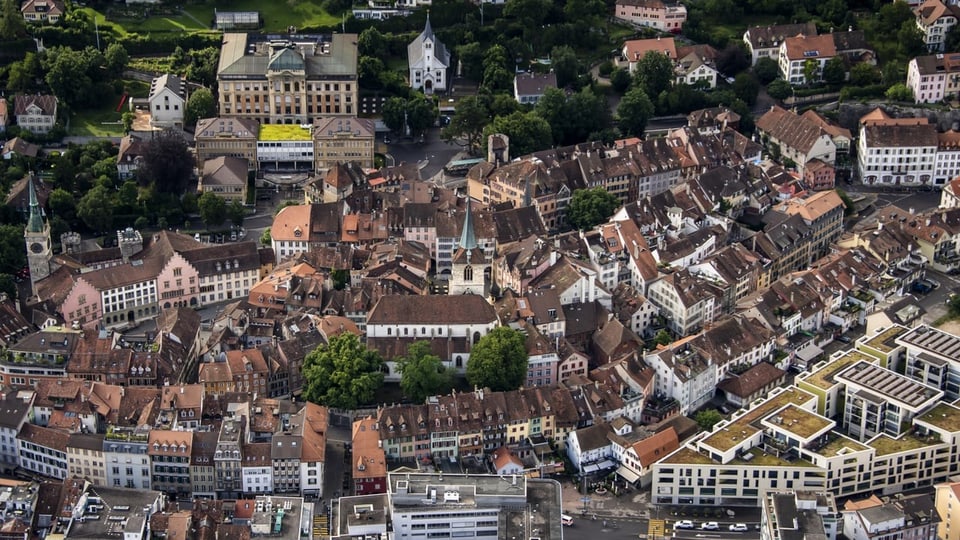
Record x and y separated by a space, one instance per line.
429 62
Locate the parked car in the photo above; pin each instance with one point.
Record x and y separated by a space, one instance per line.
844 339
739 527
709 526
683 524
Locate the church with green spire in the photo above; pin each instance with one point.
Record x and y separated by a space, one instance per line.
471 266
37 239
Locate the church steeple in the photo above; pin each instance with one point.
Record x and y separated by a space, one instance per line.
35 223
427 29
468 239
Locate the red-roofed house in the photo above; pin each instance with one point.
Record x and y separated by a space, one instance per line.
635 49
506 462
796 51
637 458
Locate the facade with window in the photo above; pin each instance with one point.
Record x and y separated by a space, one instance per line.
256 469
169 453
85 458
43 450
288 81
167 100
895 153
452 325
125 460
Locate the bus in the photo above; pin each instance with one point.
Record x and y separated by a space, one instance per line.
566 520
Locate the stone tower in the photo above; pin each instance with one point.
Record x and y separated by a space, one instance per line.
469 261
37 238
130 242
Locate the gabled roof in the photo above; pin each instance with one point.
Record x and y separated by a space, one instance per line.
415 50
167 82
534 84
765 37
803 47
225 171
797 132
748 383
432 309
46 103
636 49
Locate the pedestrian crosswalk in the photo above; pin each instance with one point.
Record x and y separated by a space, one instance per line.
321 528
656 529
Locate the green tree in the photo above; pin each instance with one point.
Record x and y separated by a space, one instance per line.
864 74
213 209
423 373
188 203
707 418
96 208
591 207
24 75
265 237
13 257
654 73
167 164
200 105
127 119
634 111
528 132
849 208
236 213
952 39
74 76
899 92
128 194
746 87
663 338
203 66
766 70
343 373
369 72
733 59
467 123
8 285
620 80
497 74
779 89
834 71
393 114
498 361
810 69
563 60
62 203
115 60
12 25
371 42
421 113
471 57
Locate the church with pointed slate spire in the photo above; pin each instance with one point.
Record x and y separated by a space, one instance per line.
429 62
471 266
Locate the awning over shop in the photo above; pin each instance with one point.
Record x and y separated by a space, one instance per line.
628 474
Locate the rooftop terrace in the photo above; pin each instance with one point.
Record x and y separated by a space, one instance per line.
824 377
727 437
886 341
840 445
886 445
943 416
284 132
800 422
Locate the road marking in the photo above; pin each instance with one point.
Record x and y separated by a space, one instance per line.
656 527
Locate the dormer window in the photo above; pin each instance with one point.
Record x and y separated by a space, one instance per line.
297 232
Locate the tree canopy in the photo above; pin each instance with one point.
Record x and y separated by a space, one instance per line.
498 361
200 105
591 207
12 254
467 123
167 164
654 73
634 111
707 418
422 373
528 132
343 373
213 209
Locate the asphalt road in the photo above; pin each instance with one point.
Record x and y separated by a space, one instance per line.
586 529
433 151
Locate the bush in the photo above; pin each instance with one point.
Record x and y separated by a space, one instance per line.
863 92
605 68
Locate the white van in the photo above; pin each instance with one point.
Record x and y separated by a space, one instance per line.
566 520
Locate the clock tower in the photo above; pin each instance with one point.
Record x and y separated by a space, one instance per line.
37 238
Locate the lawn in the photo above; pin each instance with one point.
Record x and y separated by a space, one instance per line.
104 121
277 16
196 18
